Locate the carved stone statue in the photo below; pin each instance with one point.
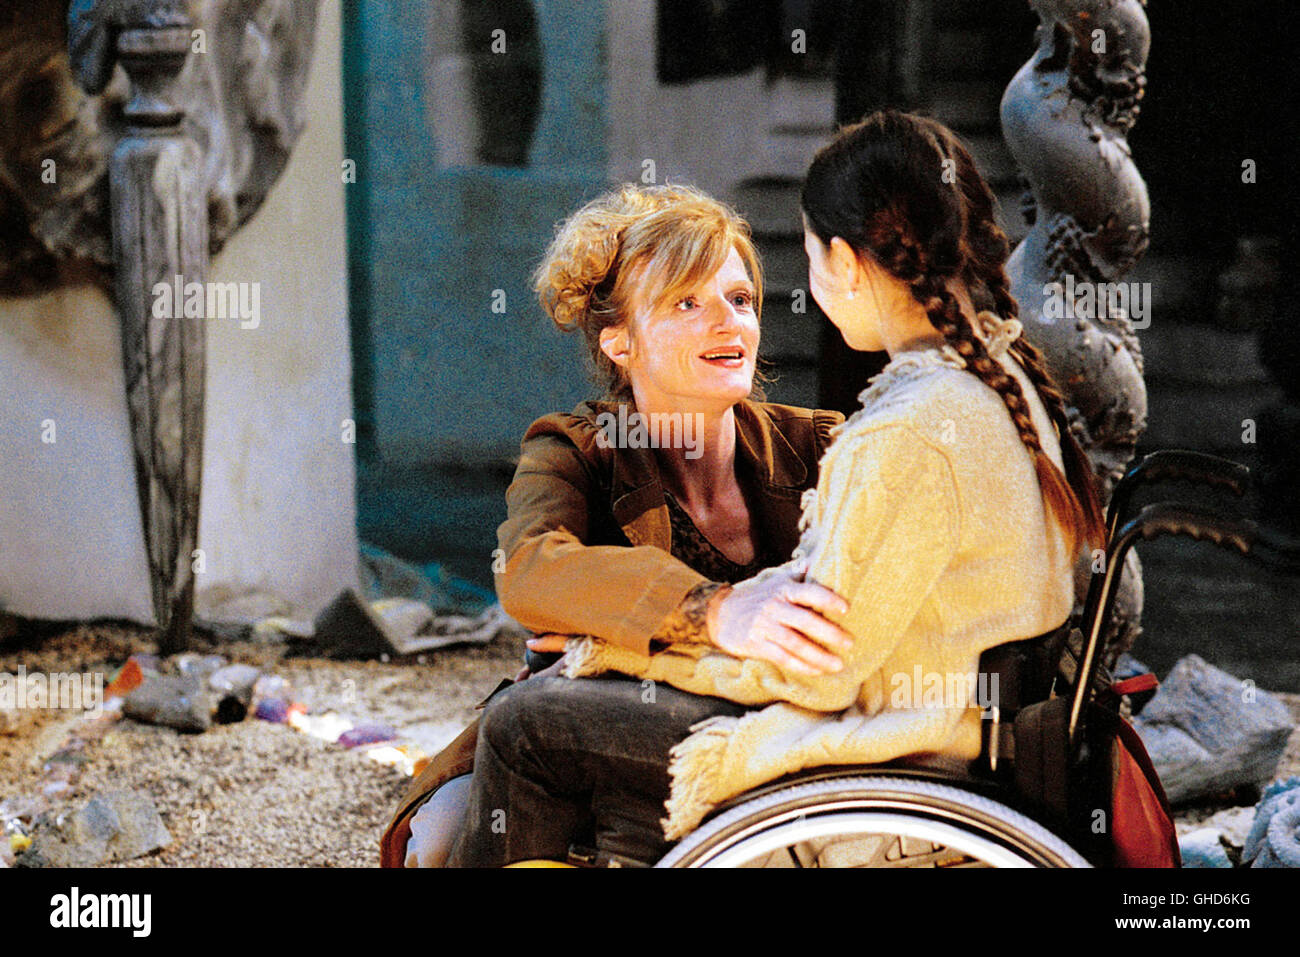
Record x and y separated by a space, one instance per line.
133 156
1066 116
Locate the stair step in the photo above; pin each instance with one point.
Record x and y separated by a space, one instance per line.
966 105
771 206
960 54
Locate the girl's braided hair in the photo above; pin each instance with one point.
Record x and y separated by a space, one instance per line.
904 190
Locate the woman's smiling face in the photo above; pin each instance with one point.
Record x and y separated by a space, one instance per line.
695 352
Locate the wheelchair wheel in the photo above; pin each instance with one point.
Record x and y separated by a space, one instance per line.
871 822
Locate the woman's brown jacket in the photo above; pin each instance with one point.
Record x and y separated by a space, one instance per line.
587 540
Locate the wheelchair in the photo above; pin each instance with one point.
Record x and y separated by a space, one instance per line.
923 813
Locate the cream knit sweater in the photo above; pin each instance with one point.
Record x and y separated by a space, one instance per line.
929 520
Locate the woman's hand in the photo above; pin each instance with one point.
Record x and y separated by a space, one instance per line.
782 619
543 645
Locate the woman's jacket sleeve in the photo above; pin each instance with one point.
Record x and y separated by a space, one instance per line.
554 581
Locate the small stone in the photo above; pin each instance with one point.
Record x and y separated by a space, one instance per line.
140 827
233 687
191 663
280 710
348 628
1208 733
366 734
1202 848
127 680
326 727
403 617
182 702
110 827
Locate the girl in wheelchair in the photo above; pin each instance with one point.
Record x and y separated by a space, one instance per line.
947 514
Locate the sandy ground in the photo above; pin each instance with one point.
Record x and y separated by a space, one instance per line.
256 794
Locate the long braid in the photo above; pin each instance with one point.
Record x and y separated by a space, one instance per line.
1058 490
884 186
989 248
902 256
946 316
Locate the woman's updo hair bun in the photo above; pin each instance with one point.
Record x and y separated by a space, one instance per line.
636 245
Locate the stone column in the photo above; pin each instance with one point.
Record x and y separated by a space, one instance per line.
160 238
1066 117
276 526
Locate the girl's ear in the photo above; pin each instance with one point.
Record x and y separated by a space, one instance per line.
845 264
616 343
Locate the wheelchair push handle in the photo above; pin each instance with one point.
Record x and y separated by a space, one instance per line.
1156 521
1175 465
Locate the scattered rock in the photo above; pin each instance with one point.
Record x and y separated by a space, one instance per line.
181 701
130 677
1202 848
278 710
1233 825
233 688
110 827
367 734
328 726
201 666
1274 839
403 617
19 813
1208 732
348 628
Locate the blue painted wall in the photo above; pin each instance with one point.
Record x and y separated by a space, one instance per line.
445 387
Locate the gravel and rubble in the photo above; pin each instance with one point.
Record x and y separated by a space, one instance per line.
250 793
